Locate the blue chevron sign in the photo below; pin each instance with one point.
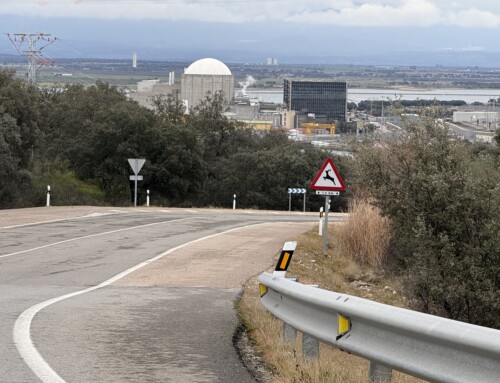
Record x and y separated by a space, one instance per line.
296 191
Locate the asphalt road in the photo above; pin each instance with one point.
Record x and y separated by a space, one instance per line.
67 317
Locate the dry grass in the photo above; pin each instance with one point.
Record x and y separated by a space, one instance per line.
332 273
365 236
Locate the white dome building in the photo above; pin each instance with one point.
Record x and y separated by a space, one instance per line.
206 75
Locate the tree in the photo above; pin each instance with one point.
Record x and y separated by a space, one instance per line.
444 206
23 103
15 179
169 109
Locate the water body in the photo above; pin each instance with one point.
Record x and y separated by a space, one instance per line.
360 94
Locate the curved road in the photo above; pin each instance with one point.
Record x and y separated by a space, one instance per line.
129 294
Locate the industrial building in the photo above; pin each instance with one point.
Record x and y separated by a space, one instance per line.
206 75
202 76
316 101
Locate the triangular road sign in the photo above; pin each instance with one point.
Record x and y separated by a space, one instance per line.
328 178
136 164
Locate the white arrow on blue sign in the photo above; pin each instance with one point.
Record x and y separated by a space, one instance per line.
296 191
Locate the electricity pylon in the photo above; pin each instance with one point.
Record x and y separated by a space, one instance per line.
36 58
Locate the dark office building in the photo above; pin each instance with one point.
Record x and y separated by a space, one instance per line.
322 100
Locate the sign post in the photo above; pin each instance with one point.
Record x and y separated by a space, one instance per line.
136 165
327 182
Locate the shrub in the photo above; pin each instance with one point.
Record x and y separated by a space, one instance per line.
365 237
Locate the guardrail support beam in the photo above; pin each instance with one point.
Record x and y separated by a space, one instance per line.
289 333
379 373
310 347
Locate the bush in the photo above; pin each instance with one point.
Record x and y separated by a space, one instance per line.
365 237
443 202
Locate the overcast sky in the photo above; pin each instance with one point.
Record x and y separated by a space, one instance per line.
386 13
247 30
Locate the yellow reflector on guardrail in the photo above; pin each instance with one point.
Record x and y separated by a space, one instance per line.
344 326
263 290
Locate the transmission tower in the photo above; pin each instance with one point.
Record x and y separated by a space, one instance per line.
36 59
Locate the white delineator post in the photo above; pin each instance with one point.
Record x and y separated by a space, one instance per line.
48 195
147 198
325 226
234 201
320 230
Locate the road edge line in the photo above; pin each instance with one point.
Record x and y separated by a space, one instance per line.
22 327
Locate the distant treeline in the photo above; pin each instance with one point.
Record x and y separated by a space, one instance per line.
375 107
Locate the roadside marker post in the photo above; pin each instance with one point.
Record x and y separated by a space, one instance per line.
48 195
234 201
320 226
147 198
284 259
327 182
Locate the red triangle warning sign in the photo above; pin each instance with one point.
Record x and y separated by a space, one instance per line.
328 178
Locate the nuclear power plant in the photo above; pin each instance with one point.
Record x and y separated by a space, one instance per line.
203 76
310 105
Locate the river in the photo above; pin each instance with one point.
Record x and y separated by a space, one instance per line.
360 94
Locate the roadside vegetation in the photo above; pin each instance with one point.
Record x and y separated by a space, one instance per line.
423 233
336 272
77 139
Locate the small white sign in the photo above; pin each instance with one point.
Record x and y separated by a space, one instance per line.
133 178
327 192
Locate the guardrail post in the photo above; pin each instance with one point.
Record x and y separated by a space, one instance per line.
379 373
310 346
289 333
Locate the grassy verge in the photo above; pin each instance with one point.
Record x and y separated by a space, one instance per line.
331 273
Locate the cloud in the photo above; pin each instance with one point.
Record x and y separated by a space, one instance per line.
356 13
408 13
474 18
469 48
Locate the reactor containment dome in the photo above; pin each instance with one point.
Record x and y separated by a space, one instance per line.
211 67
203 77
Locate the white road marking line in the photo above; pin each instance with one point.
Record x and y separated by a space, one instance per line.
191 211
89 236
91 215
165 211
22 327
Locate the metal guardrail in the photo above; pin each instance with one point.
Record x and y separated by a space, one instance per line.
422 345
